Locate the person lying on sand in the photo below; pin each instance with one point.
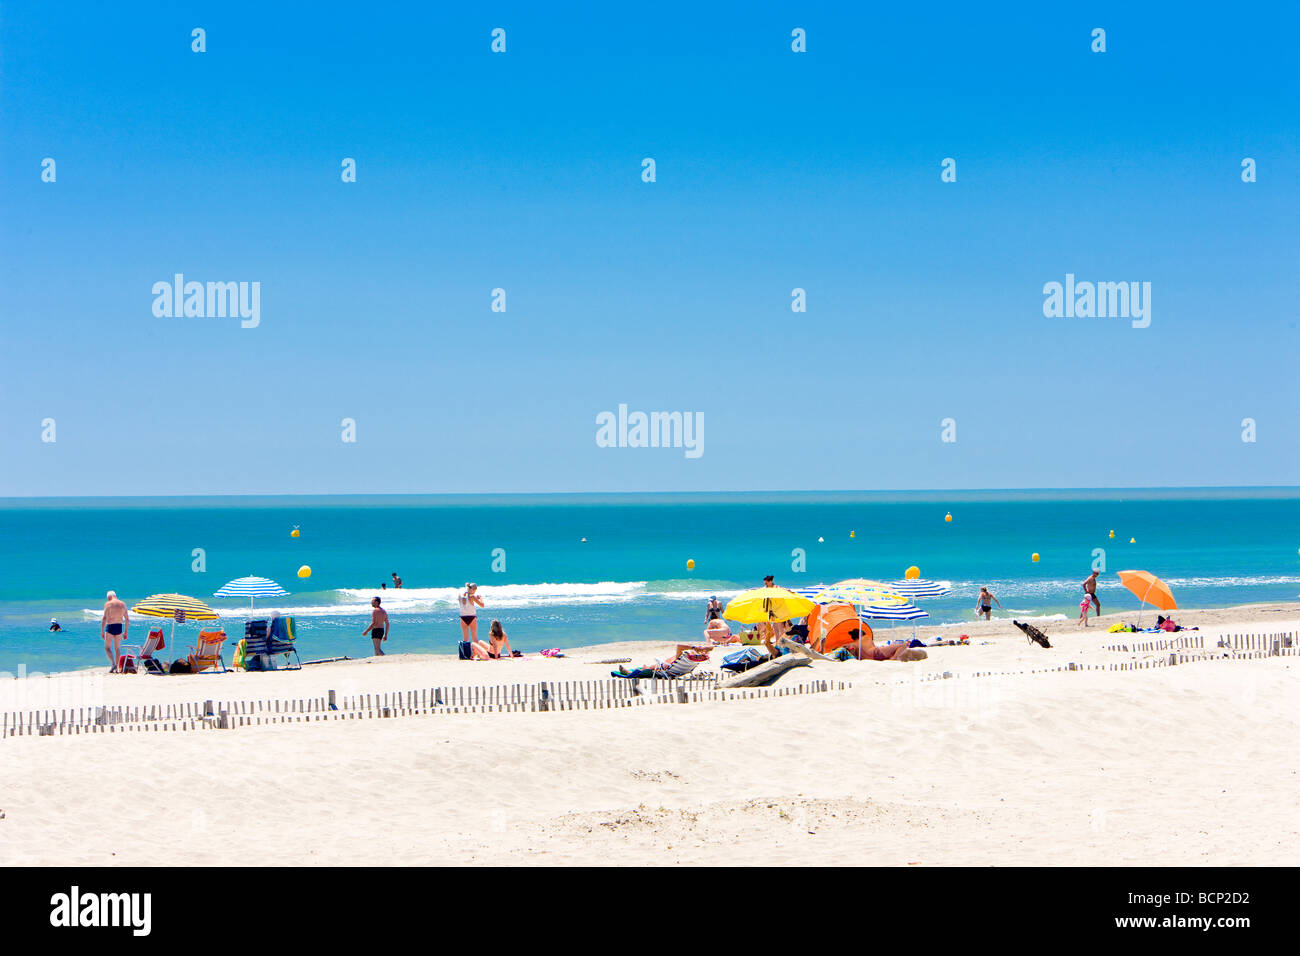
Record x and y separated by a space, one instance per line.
865 649
685 659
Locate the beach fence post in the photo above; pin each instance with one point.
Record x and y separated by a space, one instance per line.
543 696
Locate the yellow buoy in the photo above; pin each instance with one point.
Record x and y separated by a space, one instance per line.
294 533
948 516
851 533
304 572
1132 540
1034 557
1112 534
690 564
912 573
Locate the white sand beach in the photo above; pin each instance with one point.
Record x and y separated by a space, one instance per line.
1006 761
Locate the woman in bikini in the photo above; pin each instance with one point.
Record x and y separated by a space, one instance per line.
498 643
469 604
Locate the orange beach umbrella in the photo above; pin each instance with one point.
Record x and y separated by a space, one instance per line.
1149 589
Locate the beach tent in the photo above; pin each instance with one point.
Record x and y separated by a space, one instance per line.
831 626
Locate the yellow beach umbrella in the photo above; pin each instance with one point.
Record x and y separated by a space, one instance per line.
859 591
166 605
759 605
179 607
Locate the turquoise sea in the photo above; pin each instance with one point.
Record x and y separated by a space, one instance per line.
629 578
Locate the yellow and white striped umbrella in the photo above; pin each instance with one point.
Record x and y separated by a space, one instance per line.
166 605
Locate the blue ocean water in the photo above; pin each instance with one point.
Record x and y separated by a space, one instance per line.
629 578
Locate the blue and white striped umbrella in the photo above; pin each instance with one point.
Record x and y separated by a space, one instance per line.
892 612
251 588
918 588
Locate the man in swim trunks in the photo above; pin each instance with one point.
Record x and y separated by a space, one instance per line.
397 582
113 626
985 607
1090 586
378 629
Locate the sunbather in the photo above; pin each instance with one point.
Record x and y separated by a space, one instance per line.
684 660
865 649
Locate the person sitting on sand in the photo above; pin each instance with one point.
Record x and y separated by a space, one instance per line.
719 633
865 649
498 642
984 608
685 659
1167 624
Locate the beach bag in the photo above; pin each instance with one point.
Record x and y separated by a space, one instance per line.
154 666
241 654
739 661
465 654
181 667
126 664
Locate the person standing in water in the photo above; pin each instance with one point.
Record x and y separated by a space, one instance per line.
469 603
1090 588
379 628
397 582
113 626
985 606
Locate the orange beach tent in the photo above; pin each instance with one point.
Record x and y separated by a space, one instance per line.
831 626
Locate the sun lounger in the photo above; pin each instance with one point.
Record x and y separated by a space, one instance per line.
206 654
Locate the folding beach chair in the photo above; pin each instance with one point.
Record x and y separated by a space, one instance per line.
280 640
135 658
207 652
683 665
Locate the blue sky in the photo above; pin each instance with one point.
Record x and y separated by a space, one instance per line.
522 170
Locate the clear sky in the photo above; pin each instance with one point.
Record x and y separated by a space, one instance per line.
523 171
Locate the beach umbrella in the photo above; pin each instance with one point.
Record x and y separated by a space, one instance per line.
1149 589
179 607
251 588
917 588
853 591
758 605
906 611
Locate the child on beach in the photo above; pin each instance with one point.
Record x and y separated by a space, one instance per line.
1084 607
